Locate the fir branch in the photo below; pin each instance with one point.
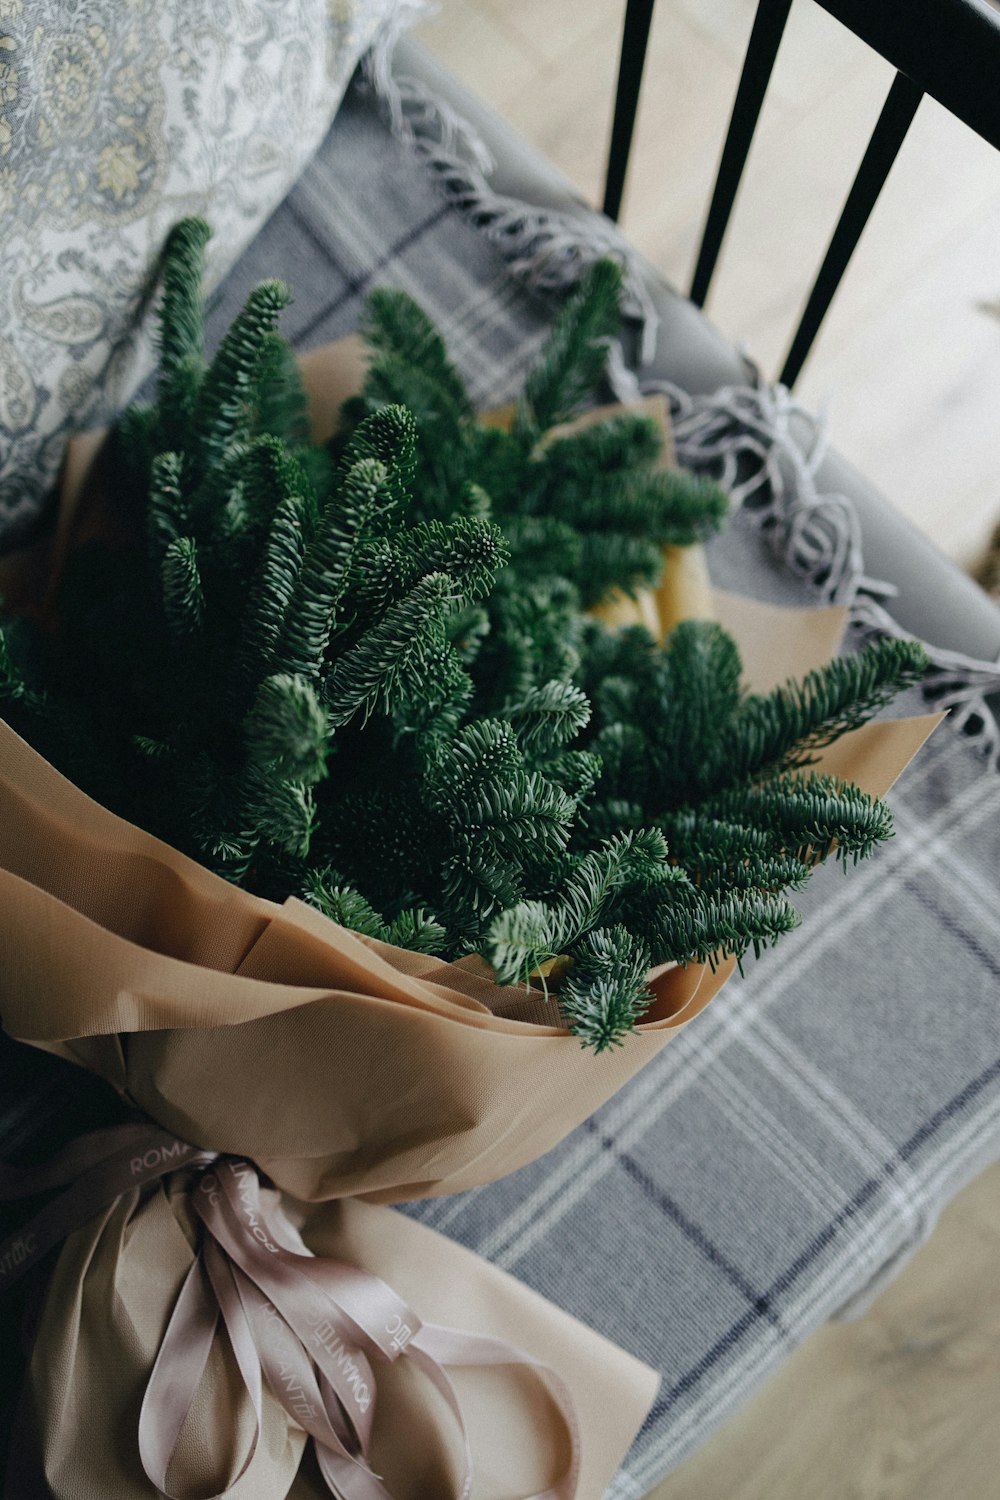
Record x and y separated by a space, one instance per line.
396 326
619 444
431 715
576 772
282 403
605 993
471 551
574 357
771 875
168 517
700 697
389 381
698 926
129 452
475 886
786 727
522 811
543 544
699 839
482 753
692 507
181 329
604 819
467 629
268 474
326 891
519 941
326 569
222 411
183 596
548 717
808 816
610 560
418 930
625 860
275 583
625 759
286 729
390 654
282 812
389 435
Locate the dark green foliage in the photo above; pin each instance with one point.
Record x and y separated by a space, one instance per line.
391 655
573 361
396 327
324 890
183 596
182 331
282 406
787 726
287 730
605 991
361 674
227 394
548 717
592 505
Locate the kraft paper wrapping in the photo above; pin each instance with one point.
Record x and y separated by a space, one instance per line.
107 1307
342 1066
346 1069
105 1312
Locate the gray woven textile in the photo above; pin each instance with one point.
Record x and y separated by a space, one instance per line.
798 1140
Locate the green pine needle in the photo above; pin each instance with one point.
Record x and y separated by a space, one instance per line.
391 653
183 597
343 904
512 779
223 412
574 358
605 993
549 717
286 729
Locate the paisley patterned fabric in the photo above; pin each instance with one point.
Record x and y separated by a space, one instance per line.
117 117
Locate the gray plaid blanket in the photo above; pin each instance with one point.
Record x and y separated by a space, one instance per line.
796 1143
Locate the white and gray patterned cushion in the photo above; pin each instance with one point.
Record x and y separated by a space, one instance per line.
117 117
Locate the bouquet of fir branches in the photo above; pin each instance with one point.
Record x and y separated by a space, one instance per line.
336 817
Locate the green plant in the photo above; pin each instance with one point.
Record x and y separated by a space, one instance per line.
362 672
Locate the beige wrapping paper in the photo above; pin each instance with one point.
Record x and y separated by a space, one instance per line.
105 1312
345 1069
108 1304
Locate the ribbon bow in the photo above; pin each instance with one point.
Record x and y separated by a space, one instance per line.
310 1327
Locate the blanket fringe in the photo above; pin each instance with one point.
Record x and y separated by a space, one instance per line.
547 249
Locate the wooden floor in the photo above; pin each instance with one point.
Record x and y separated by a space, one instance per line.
910 353
904 1404
900 1405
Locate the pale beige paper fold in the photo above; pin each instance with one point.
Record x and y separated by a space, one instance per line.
611 1392
343 1067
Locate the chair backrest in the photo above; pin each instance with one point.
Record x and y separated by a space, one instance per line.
949 49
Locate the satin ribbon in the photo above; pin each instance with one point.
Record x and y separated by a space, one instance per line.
311 1328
